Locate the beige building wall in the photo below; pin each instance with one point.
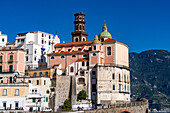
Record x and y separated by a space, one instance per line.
121 54
11 89
105 81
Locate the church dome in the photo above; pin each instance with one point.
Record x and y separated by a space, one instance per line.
105 34
96 41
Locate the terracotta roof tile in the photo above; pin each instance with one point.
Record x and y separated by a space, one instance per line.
73 43
82 59
109 40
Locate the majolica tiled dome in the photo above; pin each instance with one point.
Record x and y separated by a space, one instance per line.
96 41
105 33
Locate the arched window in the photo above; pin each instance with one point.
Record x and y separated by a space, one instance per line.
71 69
76 40
81 81
73 56
62 56
35 74
80 27
40 74
79 49
52 57
83 39
94 54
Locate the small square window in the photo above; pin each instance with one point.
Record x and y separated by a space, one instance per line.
4 92
17 92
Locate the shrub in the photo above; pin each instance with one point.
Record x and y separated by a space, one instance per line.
67 105
82 95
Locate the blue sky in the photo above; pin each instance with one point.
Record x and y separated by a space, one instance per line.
141 24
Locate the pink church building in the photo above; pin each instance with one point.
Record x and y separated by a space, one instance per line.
100 67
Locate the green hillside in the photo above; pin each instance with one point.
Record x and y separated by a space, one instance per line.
150 77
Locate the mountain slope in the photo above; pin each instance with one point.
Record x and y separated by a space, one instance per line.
150 77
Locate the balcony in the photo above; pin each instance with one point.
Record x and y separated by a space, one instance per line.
33 104
34 95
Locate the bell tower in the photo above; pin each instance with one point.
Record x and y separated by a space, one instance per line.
79 33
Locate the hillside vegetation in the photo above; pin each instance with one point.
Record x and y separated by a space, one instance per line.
150 77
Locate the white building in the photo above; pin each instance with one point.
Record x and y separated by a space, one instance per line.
37 44
38 94
13 96
3 39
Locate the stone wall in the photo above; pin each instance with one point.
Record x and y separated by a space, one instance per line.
62 90
133 107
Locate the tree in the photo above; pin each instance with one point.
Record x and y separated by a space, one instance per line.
67 105
82 95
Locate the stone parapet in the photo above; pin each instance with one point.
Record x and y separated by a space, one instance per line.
132 107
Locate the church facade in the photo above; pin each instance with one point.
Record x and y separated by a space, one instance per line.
100 66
